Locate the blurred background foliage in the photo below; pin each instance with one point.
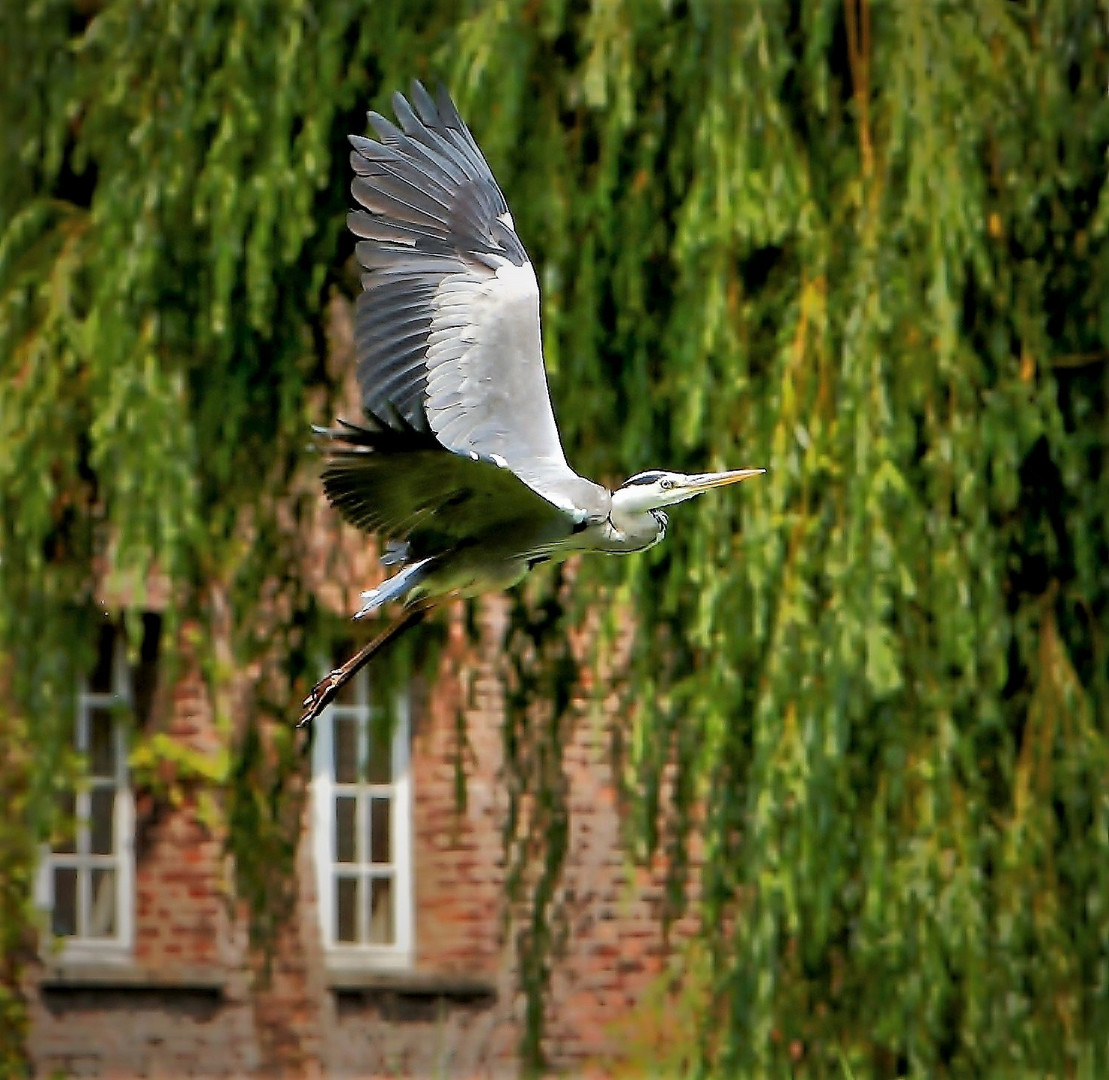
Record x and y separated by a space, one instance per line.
862 244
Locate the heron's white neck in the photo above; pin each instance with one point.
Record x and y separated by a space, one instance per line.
632 501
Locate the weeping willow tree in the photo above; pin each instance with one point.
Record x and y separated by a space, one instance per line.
862 245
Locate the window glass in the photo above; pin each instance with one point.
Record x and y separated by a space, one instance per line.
379 830
379 758
345 845
101 744
102 804
64 914
345 743
346 909
381 911
102 908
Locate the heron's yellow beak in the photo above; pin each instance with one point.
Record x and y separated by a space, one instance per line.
705 481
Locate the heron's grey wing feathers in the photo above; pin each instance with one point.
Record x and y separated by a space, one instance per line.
393 371
447 327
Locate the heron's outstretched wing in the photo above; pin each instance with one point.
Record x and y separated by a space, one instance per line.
447 327
399 482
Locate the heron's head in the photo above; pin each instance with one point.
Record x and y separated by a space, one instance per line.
654 489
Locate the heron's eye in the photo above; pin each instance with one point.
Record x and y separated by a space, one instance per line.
666 484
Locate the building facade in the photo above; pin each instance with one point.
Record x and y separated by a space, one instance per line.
397 956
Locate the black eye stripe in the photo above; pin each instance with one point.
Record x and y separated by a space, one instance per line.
642 478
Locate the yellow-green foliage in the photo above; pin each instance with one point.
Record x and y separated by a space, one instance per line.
863 245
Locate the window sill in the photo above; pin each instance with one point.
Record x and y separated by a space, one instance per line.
413 984
71 975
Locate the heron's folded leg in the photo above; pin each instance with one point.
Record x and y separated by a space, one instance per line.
323 693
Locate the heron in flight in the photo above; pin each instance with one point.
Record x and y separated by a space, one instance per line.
457 463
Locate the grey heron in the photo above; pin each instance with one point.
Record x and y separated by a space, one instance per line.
457 463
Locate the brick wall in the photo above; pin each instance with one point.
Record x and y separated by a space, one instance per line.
616 945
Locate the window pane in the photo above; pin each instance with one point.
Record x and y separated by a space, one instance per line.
380 848
102 804
102 904
67 823
345 808
379 760
64 919
100 679
345 742
381 911
102 758
346 909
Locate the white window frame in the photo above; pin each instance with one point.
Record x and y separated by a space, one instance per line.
345 955
77 948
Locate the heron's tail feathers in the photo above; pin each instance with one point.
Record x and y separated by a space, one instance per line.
395 588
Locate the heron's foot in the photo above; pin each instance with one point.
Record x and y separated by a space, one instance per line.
320 696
